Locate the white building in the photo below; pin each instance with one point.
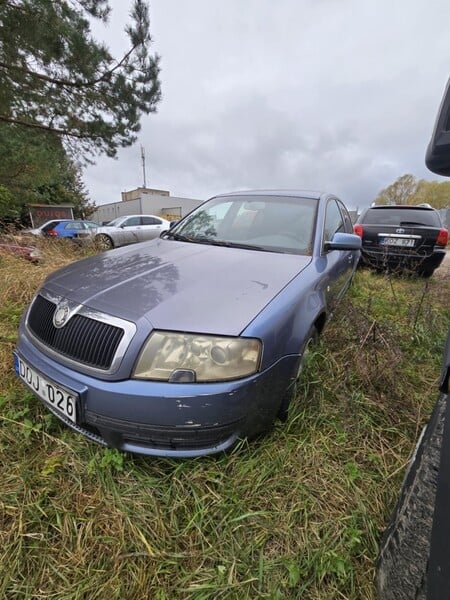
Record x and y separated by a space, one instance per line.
145 201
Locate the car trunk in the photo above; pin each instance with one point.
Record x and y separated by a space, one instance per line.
400 239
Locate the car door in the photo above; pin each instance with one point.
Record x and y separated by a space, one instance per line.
340 263
151 227
71 229
129 230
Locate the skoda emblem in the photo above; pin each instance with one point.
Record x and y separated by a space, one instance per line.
61 314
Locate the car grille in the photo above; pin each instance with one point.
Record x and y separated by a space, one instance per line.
85 340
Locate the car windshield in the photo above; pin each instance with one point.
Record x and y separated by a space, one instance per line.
115 222
401 216
271 223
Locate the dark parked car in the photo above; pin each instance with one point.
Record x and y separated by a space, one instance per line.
402 238
182 345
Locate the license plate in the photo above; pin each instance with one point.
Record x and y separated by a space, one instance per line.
61 400
403 242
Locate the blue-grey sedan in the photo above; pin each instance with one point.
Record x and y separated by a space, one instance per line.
185 344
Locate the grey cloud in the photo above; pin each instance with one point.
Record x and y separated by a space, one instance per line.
291 94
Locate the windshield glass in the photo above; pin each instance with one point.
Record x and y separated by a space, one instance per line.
273 223
115 222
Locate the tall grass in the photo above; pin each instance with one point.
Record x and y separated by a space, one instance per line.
296 514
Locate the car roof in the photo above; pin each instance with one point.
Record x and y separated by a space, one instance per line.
53 220
75 221
146 215
299 193
402 206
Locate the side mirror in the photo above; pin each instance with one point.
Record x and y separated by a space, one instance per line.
172 224
343 241
437 157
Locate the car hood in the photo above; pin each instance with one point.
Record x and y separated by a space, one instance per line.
178 285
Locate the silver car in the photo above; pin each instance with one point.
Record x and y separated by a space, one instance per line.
129 230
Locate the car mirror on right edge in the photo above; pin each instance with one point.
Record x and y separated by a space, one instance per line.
437 157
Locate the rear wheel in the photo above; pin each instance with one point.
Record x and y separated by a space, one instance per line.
103 242
426 273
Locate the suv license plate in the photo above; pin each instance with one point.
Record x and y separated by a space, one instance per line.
403 242
60 399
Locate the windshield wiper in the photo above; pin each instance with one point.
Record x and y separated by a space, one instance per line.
211 241
227 244
406 223
172 235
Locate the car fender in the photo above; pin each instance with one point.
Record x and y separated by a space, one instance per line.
286 320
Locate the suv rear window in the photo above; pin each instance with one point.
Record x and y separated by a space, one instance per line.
401 216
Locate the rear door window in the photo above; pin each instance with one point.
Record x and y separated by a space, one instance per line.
132 222
150 221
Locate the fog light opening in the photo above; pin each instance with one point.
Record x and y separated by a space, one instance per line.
183 376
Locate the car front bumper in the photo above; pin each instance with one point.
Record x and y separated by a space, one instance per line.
166 419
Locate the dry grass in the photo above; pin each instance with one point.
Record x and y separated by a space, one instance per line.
297 514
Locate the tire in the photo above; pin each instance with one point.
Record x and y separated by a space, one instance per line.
311 340
426 273
402 563
103 242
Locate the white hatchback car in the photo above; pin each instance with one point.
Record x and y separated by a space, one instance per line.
129 229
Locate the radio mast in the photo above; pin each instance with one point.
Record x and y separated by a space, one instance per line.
143 165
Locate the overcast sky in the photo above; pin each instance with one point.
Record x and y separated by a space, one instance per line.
334 95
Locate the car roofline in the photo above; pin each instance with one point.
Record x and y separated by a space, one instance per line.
402 206
138 215
275 192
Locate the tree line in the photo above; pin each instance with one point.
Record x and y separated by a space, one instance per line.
409 190
64 98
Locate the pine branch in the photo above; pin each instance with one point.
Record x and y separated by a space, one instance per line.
67 132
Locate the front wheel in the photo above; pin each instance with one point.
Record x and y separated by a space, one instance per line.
103 242
311 340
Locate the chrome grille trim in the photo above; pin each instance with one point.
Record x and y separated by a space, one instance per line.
84 350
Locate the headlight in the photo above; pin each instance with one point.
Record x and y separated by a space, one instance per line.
186 357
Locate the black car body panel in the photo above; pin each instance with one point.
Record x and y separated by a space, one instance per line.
402 237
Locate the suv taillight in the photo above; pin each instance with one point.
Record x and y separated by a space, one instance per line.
358 229
442 238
